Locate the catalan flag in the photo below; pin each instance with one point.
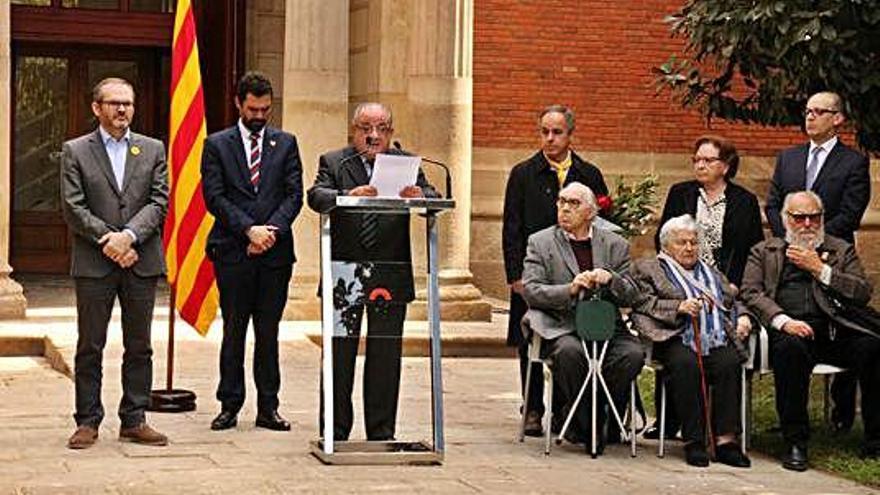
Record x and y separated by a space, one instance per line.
190 273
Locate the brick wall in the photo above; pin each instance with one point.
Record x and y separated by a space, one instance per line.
595 56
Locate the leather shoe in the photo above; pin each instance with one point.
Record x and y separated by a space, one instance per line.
84 437
653 433
731 454
224 421
695 454
143 434
533 427
795 459
272 421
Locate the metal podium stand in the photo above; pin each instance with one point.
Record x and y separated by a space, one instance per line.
384 452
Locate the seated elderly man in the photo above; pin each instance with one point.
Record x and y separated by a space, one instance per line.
563 263
686 307
811 293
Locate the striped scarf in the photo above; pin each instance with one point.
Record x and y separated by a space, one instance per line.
705 284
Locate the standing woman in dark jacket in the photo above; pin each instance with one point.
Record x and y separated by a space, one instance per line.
728 219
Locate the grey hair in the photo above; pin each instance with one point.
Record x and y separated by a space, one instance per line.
362 107
837 101
675 224
566 112
810 194
586 195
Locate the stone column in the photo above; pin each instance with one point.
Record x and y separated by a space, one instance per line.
440 111
12 301
316 112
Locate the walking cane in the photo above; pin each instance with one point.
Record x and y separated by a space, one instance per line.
704 390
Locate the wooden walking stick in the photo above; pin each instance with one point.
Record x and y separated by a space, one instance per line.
704 389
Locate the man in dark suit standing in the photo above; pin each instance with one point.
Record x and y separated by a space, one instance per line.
114 189
840 176
252 184
384 241
530 206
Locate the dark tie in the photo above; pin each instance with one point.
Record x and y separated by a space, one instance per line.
254 166
369 233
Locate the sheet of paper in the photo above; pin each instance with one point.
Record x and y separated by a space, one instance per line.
391 173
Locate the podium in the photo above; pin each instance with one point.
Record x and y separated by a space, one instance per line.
326 449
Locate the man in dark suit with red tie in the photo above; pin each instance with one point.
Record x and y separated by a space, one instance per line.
252 184
840 176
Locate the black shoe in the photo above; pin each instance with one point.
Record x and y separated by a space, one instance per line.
795 459
653 433
841 427
870 450
695 454
224 421
272 421
730 454
533 427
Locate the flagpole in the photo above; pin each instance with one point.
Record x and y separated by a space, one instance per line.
169 367
169 399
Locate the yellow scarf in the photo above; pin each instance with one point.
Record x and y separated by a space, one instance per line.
561 168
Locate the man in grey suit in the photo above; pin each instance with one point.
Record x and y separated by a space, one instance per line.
114 189
562 263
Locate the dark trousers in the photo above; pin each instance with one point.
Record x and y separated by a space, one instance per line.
381 380
793 359
624 359
94 303
843 395
518 308
250 291
723 377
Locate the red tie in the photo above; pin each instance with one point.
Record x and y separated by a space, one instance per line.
255 159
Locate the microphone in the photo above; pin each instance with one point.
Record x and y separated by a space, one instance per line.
370 140
434 162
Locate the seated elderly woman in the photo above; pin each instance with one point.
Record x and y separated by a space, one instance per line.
686 307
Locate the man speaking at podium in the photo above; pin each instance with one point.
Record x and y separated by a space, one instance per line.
381 239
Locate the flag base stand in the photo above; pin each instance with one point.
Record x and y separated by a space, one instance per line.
377 453
172 401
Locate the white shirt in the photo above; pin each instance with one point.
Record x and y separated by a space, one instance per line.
246 140
827 146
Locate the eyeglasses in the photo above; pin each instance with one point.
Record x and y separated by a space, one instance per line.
800 218
818 112
117 103
367 128
708 160
573 202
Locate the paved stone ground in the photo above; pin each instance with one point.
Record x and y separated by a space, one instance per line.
481 420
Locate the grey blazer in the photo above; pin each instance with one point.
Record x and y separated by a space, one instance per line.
549 268
93 204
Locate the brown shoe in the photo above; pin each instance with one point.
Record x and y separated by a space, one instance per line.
83 438
533 426
143 434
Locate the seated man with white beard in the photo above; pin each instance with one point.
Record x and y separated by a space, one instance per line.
812 295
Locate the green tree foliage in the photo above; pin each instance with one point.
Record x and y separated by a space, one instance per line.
758 61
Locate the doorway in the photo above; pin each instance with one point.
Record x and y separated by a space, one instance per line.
52 103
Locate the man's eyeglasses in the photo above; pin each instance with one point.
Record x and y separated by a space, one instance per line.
573 202
117 103
818 112
367 128
708 160
800 218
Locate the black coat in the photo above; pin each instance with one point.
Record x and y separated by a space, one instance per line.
340 171
844 184
230 197
741 230
530 206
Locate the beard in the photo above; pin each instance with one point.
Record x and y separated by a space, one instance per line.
254 125
806 240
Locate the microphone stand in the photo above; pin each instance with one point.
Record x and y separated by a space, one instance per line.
435 162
